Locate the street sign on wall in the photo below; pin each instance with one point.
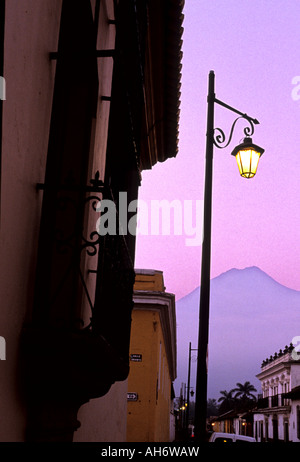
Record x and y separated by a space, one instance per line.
132 396
136 357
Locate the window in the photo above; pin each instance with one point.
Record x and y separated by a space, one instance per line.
267 430
286 431
275 428
261 430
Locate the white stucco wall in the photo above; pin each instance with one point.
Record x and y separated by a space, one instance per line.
104 419
293 421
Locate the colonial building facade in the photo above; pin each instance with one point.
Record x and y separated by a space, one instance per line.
92 99
277 416
153 361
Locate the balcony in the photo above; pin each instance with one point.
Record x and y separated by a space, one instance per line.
272 402
263 403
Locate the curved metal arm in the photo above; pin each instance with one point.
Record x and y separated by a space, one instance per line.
219 137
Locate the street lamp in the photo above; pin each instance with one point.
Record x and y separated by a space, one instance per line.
189 385
247 155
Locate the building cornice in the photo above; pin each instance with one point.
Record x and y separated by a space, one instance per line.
274 370
164 304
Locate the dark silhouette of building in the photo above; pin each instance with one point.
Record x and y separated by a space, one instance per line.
93 95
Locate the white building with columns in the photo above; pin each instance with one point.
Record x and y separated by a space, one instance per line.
277 417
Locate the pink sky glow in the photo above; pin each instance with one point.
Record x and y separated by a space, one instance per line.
254 49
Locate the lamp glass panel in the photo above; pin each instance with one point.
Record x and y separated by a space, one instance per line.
247 160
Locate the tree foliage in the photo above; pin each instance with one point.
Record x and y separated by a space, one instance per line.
239 398
244 391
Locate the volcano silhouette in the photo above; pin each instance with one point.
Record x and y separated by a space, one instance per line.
251 317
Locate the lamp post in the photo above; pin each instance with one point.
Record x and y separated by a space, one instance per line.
247 155
189 385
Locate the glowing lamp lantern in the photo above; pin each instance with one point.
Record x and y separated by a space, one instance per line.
247 156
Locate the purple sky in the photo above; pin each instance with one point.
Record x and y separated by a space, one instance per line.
254 49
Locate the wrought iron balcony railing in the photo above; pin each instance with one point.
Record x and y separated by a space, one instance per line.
272 402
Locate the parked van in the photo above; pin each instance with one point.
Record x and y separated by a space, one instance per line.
220 437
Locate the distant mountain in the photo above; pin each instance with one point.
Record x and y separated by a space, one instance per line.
251 317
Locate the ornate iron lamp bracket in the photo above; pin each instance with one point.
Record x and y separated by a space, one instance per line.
70 198
219 137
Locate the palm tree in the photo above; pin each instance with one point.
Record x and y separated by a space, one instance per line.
244 391
227 401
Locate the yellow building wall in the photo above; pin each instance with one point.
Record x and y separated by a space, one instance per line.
149 417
